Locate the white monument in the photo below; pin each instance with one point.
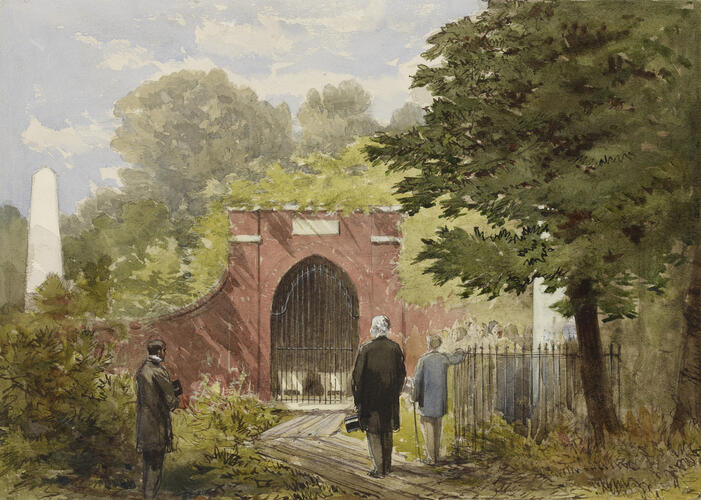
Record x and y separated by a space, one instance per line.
548 325
44 254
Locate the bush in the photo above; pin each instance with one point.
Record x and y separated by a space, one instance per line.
215 450
63 418
642 460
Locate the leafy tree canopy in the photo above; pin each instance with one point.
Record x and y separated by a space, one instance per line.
571 127
13 255
191 126
407 116
563 119
335 117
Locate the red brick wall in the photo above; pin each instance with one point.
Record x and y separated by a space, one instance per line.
228 331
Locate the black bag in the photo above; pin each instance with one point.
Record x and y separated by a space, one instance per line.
177 387
352 423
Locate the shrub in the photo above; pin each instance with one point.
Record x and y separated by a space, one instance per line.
216 455
642 460
62 417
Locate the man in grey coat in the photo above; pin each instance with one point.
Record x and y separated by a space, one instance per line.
431 392
378 378
156 398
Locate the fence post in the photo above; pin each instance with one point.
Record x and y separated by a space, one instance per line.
544 371
474 396
524 387
513 387
483 399
618 380
490 387
468 369
505 382
496 378
568 404
456 406
559 379
552 361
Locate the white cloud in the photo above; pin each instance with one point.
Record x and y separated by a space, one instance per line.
346 20
120 54
393 83
117 54
111 173
69 141
231 39
87 39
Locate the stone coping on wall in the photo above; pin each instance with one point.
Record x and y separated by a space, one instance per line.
295 208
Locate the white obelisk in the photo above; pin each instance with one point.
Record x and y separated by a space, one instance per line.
44 254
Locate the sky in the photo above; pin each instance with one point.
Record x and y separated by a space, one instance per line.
65 63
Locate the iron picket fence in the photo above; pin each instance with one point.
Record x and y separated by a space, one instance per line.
528 388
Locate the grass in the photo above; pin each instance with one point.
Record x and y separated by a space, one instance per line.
405 438
643 462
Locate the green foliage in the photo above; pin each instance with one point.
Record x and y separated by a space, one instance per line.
418 286
189 127
62 416
13 255
346 183
215 452
129 264
638 462
567 121
407 116
227 418
334 118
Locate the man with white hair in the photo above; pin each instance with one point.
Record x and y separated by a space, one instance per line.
378 378
431 392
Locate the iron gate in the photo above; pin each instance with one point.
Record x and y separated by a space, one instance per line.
314 333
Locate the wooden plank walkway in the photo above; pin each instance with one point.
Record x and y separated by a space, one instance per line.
314 444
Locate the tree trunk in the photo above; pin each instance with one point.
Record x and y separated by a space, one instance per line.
689 388
595 380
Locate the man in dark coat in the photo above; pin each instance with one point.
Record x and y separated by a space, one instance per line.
431 392
378 378
156 398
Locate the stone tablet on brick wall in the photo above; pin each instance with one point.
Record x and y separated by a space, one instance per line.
314 226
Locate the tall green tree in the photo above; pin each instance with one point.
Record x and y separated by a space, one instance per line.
335 117
552 120
189 127
129 264
13 255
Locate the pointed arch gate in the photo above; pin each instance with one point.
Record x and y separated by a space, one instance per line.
314 333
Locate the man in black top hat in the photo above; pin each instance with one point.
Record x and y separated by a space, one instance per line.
378 378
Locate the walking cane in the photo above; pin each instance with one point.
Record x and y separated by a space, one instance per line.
416 434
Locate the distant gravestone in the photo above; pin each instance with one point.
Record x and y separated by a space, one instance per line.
44 254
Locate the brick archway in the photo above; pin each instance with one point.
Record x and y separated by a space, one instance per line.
266 244
227 334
